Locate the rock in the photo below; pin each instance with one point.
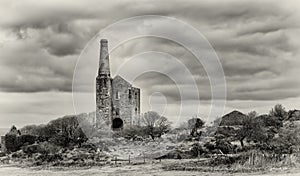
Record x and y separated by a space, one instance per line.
18 154
170 147
69 156
4 160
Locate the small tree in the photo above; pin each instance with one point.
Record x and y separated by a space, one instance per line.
150 117
156 125
289 137
163 125
194 124
252 114
278 111
251 129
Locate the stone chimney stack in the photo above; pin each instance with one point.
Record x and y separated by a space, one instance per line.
103 87
104 68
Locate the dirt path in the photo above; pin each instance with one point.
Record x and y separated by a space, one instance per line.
130 170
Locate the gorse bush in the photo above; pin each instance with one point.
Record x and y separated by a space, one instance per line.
63 132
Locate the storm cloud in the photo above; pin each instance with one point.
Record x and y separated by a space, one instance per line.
41 41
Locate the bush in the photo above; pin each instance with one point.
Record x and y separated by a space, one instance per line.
26 139
225 160
198 150
155 124
64 132
210 146
11 143
49 148
194 124
30 149
225 146
133 131
48 158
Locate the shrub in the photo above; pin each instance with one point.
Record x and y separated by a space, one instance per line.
210 146
197 150
26 139
64 132
133 131
11 143
49 148
225 146
194 124
155 124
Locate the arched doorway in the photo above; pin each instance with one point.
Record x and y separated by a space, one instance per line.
117 123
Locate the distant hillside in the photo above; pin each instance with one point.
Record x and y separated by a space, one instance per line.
233 118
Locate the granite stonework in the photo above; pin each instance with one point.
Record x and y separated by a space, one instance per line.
117 101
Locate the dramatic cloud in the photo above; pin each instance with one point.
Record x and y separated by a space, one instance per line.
258 47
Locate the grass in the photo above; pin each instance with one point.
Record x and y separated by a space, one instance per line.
252 161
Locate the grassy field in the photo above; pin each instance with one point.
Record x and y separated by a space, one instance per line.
131 170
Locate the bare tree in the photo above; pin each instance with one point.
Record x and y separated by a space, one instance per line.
251 129
150 117
163 125
156 125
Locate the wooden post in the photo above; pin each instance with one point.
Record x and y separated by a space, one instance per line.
129 159
115 160
144 158
253 162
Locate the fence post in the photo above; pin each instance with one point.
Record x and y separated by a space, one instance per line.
129 159
115 160
253 159
144 158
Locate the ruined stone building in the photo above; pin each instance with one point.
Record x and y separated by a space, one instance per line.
117 101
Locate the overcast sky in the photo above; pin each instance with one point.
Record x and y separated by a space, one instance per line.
257 43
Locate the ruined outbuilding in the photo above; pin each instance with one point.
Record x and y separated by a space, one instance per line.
117 101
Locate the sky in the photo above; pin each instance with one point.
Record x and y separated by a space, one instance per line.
257 43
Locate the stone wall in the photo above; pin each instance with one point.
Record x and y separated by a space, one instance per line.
3 146
122 96
125 100
103 99
136 107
